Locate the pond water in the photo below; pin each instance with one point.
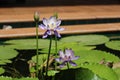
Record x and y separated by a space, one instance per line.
83 45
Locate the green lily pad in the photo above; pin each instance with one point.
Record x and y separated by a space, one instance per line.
1 70
86 74
87 39
52 72
10 78
102 71
95 56
77 74
2 63
27 78
41 59
28 43
5 61
5 78
115 45
73 46
7 53
117 70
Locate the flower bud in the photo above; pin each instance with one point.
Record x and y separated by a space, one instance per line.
36 17
56 15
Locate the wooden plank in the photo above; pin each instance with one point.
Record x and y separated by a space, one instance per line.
22 14
70 29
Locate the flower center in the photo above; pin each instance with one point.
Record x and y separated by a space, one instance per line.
52 26
67 58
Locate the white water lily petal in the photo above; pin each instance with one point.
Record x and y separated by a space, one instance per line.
57 34
61 54
58 22
45 21
42 26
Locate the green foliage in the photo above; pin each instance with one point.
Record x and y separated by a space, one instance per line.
52 72
5 61
88 64
87 39
95 56
86 74
117 70
77 74
41 58
27 78
102 71
5 78
74 46
7 53
115 44
9 78
1 70
27 43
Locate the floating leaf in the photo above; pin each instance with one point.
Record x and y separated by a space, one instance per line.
87 39
7 53
86 74
1 71
27 43
5 61
117 70
2 63
52 72
95 56
77 74
9 78
27 78
73 46
102 71
5 78
115 45
41 57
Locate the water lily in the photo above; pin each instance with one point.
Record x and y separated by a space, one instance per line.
51 25
66 57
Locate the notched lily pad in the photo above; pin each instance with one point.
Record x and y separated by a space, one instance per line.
95 56
87 39
115 45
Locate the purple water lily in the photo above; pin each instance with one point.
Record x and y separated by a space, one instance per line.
51 25
66 57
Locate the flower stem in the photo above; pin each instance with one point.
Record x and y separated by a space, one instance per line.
37 49
48 55
68 65
55 51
